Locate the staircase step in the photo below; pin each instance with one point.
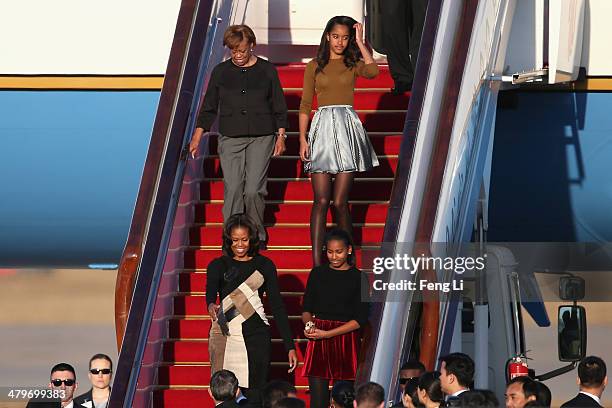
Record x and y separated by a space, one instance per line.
182 398
196 351
198 327
285 236
285 258
384 143
293 77
296 212
292 166
200 374
287 281
186 305
380 99
197 398
300 189
373 121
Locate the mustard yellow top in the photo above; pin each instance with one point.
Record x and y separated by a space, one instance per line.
335 85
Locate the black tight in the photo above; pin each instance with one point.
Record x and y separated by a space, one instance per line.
319 392
322 188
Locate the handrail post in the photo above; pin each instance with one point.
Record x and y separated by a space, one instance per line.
124 288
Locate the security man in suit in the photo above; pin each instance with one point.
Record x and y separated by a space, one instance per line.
592 380
63 381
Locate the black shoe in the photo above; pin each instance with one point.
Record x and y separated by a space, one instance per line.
401 87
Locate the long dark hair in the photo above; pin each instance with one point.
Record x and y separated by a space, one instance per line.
337 234
430 383
410 389
235 221
351 52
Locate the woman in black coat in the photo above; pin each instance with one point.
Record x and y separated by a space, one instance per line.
245 92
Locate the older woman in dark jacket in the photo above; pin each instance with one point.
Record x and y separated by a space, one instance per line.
246 94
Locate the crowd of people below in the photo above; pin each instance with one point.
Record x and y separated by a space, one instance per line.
449 387
453 386
418 388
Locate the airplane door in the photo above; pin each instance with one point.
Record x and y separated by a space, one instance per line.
565 28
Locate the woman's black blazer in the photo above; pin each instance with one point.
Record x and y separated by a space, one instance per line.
249 101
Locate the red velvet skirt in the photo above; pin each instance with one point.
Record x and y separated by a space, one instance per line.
335 358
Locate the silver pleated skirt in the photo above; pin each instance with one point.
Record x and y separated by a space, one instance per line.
338 142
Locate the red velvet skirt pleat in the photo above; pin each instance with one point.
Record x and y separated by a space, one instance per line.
334 358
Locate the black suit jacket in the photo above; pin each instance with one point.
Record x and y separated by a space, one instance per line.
228 404
581 400
249 101
83 398
43 404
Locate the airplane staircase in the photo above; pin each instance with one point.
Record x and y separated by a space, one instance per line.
185 371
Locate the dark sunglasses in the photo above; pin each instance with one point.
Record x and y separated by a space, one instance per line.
58 382
96 371
404 380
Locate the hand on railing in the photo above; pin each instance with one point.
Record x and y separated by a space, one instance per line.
195 141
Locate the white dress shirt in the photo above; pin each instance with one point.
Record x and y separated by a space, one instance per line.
595 397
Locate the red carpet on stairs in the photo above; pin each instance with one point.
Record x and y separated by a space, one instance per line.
184 375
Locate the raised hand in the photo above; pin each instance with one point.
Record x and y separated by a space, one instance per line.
359 33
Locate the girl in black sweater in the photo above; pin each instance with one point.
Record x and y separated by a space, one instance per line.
335 308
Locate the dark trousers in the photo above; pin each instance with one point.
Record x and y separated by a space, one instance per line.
259 351
403 22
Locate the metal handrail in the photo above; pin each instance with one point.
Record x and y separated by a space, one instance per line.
400 184
398 316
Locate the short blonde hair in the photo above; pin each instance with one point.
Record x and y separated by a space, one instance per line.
236 34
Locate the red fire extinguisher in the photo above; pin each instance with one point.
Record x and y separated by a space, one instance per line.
517 366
